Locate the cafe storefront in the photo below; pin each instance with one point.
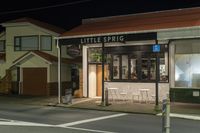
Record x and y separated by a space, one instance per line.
140 52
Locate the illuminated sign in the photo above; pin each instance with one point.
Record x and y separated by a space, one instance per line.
100 39
156 48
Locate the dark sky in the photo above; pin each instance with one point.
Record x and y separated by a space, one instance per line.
70 15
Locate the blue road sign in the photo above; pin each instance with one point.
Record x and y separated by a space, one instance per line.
156 48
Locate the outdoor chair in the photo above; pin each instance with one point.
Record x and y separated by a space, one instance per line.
123 93
136 96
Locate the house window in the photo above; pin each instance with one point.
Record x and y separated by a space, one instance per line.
46 43
2 45
26 43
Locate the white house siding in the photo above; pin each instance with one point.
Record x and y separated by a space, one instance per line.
22 30
65 75
179 33
34 62
54 72
2 63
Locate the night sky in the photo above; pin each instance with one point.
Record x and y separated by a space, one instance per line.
68 13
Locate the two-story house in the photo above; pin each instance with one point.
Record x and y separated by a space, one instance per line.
28 58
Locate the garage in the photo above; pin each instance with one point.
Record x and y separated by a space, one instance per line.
34 81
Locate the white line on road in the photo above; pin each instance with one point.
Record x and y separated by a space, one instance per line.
183 116
8 122
90 130
91 120
22 123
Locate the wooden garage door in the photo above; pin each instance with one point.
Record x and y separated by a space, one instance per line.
35 81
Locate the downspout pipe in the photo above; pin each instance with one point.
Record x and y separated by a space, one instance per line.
59 71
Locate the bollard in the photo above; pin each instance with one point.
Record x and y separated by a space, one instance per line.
106 97
166 115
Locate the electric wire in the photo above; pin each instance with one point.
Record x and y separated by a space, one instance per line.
44 7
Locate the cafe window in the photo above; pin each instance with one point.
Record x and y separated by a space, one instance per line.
139 64
132 63
94 55
116 65
124 66
134 74
187 63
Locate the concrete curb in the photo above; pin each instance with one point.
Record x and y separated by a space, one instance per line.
183 116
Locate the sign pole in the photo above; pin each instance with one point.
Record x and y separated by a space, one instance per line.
102 60
157 50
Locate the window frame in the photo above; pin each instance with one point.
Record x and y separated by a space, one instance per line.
20 42
146 50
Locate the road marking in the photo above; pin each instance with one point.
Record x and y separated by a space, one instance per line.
184 116
90 130
91 120
8 122
4 120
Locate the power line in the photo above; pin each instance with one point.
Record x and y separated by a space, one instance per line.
45 7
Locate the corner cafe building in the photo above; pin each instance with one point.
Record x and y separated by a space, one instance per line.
158 51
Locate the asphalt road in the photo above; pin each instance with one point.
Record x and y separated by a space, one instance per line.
39 119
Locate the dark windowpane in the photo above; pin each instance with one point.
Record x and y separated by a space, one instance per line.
45 43
29 43
2 45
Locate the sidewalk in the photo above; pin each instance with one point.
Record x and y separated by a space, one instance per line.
180 110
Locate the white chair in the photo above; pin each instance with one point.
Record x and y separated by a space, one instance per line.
153 98
112 92
123 93
144 95
136 95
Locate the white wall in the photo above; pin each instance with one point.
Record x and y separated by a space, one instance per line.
85 76
134 88
92 81
65 74
36 62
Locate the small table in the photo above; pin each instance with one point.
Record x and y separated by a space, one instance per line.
144 94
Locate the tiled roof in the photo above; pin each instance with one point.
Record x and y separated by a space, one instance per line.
39 23
49 58
139 22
